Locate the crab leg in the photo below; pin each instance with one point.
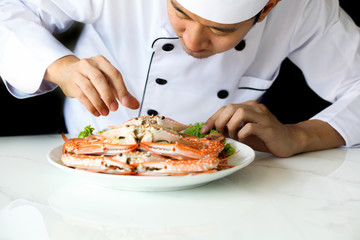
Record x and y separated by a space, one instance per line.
99 164
104 148
96 146
176 150
177 167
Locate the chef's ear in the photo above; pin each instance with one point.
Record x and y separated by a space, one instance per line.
266 10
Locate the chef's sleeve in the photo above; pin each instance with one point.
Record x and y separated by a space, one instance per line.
27 46
326 47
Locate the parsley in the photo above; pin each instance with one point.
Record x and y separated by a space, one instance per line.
88 130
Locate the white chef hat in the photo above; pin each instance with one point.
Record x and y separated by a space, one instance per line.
224 11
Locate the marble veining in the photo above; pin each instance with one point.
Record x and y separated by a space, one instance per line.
309 196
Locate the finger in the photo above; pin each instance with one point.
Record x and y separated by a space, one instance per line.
250 103
92 94
116 81
100 82
252 135
210 123
85 101
243 115
224 117
255 143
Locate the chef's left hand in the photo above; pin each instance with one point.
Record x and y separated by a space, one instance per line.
253 124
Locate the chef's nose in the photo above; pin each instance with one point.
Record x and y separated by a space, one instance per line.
195 37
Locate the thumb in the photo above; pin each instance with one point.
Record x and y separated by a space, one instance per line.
129 101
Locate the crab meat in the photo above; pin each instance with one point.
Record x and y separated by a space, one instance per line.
132 134
161 121
100 164
139 157
177 167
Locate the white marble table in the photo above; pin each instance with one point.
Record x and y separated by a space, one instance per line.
309 196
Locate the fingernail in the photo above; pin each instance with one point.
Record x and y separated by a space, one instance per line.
114 106
125 101
204 129
97 114
104 112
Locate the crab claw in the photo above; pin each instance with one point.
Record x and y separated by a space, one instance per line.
177 167
176 150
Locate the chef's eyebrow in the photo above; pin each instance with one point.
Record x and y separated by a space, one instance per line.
224 30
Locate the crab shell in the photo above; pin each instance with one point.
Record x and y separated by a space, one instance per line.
161 121
196 149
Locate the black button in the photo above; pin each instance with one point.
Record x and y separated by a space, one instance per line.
152 112
223 94
161 81
241 45
168 47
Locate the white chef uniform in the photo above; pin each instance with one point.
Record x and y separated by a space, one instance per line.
137 38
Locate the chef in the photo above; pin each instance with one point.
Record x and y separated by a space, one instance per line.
193 61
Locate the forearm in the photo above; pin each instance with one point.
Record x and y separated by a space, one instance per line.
312 135
27 47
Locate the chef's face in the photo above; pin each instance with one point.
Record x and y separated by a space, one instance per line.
202 38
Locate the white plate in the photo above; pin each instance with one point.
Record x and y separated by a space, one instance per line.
158 183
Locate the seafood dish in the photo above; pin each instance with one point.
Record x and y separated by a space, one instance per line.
146 146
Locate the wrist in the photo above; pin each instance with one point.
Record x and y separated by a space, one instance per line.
313 135
57 69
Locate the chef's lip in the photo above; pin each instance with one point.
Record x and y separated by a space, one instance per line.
197 51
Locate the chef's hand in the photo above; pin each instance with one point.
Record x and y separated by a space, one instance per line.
253 124
94 81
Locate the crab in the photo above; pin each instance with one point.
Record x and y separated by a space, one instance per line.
148 145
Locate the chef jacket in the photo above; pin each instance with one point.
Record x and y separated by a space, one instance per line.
138 39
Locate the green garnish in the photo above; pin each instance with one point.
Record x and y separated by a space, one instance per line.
88 130
228 149
195 130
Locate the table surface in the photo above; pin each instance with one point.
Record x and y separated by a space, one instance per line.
309 196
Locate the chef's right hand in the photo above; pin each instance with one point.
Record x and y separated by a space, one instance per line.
94 81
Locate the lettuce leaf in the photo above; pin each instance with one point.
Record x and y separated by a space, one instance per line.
195 130
228 149
88 130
